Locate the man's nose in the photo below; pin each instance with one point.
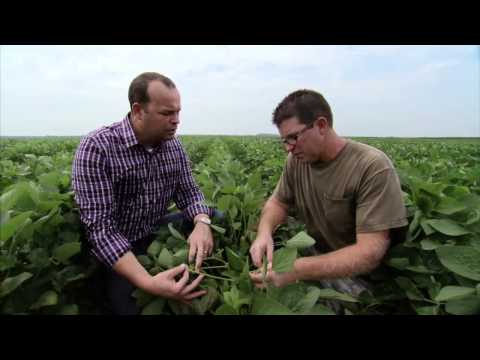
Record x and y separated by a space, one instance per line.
289 147
175 119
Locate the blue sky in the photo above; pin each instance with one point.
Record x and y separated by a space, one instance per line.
405 91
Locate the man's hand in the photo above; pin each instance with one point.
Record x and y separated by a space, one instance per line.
201 244
272 277
262 245
164 284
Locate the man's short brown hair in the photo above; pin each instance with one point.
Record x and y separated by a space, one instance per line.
306 105
137 92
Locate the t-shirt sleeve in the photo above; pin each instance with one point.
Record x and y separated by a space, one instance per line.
380 204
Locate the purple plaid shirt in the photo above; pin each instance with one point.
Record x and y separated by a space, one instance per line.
123 189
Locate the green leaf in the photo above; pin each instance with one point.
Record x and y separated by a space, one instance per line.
308 301
429 244
331 294
154 248
409 287
449 206
10 227
427 310
155 307
204 303
145 261
48 298
7 262
218 229
447 227
320 309
180 257
433 188
71 309
398 263
234 261
165 259
429 230
11 283
255 181
175 233
39 258
8 199
236 298
264 305
68 236
226 309
65 251
420 269
300 241
284 259
466 306
49 181
462 260
223 203
448 293
143 297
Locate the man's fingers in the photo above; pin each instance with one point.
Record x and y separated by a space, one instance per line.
183 281
199 258
191 252
254 253
260 286
193 285
176 270
270 253
195 294
256 277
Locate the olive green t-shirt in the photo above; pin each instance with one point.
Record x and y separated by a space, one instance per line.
357 192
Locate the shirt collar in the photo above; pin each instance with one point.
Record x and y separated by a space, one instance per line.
126 131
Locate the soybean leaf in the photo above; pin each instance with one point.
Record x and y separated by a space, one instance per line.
48 298
462 260
155 307
447 227
448 293
175 233
284 259
467 306
65 251
165 259
264 305
300 241
154 248
11 283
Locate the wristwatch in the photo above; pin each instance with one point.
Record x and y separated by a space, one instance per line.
204 220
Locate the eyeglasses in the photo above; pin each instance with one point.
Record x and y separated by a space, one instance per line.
293 138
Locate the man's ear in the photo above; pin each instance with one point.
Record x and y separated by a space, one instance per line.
322 124
137 110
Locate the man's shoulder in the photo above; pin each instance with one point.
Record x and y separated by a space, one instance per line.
102 136
369 156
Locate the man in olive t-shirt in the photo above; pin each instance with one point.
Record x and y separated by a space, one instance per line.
348 195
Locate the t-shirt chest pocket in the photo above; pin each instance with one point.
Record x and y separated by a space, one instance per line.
339 212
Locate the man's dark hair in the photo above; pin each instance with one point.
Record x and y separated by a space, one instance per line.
306 105
137 92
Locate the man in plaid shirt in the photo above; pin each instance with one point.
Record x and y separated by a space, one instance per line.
124 177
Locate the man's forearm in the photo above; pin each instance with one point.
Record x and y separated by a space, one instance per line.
346 262
273 214
129 267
